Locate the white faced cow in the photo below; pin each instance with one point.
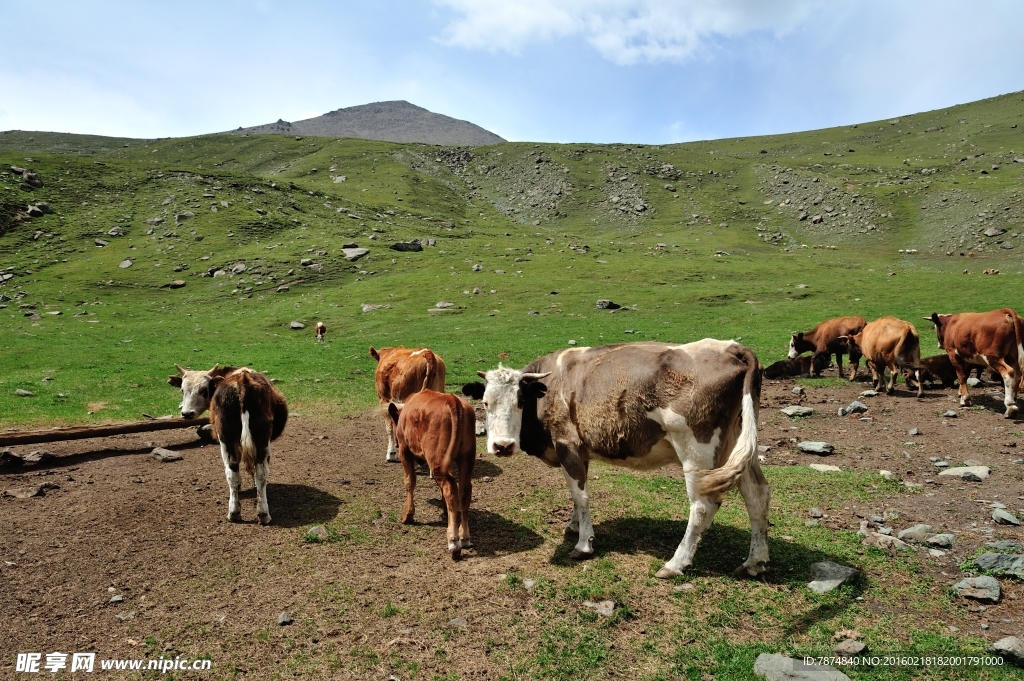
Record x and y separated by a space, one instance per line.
246 411
643 406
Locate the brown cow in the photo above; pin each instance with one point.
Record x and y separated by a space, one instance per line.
321 331
642 406
246 411
889 343
800 366
439 428
938 369
992 339
400 373
826 339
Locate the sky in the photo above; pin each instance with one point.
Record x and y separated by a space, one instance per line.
639 71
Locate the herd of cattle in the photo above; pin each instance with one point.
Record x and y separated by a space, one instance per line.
639 405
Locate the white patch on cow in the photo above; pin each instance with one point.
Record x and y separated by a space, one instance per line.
681 442
418 352
504 414
792 348
260 482
581 515
248 447
234 486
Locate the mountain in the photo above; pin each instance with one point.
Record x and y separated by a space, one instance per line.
397 121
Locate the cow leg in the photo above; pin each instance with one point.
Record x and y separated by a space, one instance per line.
260 482
450 492
815 359
702 512
756 495
234 483
575 469
389 427
1009 385
893 373
466 495
839 364
961 375
409 473
854 365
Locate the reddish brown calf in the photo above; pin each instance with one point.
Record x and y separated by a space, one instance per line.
826 339
439 429
400 373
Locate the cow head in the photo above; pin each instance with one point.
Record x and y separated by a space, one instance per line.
196 389
504 392
939 320
851 344
794 340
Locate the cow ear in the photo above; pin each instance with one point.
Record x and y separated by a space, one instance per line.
534 389
800 335
374 353
934 319
393 411
482 374
474 390
174 380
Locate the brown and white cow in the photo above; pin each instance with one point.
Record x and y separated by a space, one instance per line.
321 331
993 339
246 411
826 339
400 373
642 406
889 343
439 429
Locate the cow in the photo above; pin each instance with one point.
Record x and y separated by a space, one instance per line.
889 343
800 366
938 369
439 429
321 331
993 339
642 406
826 339
247 412
400 373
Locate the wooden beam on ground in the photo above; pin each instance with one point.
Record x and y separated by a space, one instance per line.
83 432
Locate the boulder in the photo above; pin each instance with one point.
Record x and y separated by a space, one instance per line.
166 455
774 667
607 305
982 588
34 212
37 457
125 264
32 178
917 534
797 410
295 326
854 408
410 246
969 473
1001 564
353 254
828 576
821 448
116 230
238 268
1011 649
850 648
942 541
1004 517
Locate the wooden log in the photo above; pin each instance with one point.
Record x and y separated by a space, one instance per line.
83 432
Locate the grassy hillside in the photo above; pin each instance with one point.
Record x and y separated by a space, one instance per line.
744 238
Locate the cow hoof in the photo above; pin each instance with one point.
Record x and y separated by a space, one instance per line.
456 553
576 554
407 519
263 518
466 543
1011 411
235 517
667 573
749 570
391 457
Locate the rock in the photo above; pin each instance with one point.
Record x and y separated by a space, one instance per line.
1010 648
154 221
982 588
942 541
936 553
26 492
295 326
824 468
239 268
572 342
282 288
529 584
166 455
116 230
854 408
949 414
815 513
973 382
1003 517
994 231
177 283
917 534
913 431
798 390
850 648
32 179
941 464
797 410
366 307
34 212
822 448
318 533
1005 545
117 599
968 473
100 242
884 541
605 607
829 575
458 622
774 667
125 264
353 254
9 459
410 246
607 305
284 619
24 393
1001 564
477 267
305 262
125 616
37 457
443 305
869 393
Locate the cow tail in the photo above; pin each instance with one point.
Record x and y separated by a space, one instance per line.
744 453
1018 328
246 447
910 344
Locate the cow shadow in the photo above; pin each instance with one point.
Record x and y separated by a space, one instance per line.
297 505
481 469
78 458
492 533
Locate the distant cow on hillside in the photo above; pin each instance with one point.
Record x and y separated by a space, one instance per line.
439 428
400 373
321 331
889 343
246 411
826 339
994 339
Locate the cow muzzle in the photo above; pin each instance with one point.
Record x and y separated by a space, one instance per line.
187 414
506 448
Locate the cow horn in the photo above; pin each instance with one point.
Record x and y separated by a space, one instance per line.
213 369
180 370
536 377
482 374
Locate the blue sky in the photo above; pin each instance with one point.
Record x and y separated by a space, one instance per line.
651 71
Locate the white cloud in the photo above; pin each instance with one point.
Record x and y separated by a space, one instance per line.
622 31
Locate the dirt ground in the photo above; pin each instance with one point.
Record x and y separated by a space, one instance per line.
120 523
